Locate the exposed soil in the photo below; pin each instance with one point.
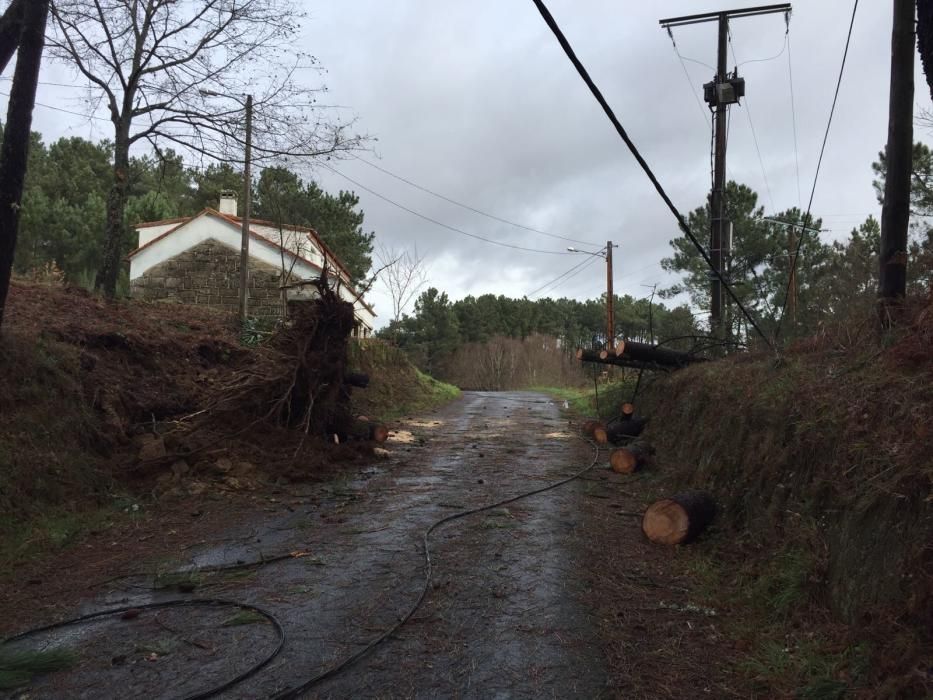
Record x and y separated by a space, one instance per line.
516 608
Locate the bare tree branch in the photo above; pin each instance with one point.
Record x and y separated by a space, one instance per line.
169 68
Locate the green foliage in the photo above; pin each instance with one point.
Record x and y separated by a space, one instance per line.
758 267
282 196
64 204
920 246
439 327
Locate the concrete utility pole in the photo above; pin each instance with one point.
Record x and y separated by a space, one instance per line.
723 91
895 212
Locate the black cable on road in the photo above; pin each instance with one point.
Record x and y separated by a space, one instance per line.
568 49
819 162
179 603
296 691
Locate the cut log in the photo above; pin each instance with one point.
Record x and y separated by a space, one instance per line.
593 356
358 379
600 436
620 430
588 426
627 410
633 352
369 430
678 519
627 460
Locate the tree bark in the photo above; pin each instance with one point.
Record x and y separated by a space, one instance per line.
109 271
925 39
680 518
895 212
10 29
14 152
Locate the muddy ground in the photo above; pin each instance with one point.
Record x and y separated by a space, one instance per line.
556 595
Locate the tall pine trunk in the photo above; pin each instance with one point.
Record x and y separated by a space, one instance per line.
109 271
14 152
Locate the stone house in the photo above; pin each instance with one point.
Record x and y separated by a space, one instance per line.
196 260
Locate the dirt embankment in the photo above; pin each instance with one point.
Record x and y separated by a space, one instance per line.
822 464
101 396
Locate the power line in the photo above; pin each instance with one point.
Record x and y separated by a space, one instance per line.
66 111
571 55
819 162
748 113
440 223
467 206
683 65
572 272
764 60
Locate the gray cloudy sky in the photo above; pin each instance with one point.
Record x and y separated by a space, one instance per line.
476 100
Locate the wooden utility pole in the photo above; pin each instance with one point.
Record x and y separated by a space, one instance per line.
895 212
14 151
719 180
792 281
610 316
247 197
723 91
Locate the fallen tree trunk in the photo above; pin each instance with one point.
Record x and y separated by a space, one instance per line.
629 353
620 430
627 460
678 519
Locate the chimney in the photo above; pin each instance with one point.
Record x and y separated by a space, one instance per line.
227 202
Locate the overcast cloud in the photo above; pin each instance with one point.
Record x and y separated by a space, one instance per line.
477 101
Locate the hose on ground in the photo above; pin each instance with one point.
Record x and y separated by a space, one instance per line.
178 603
296 691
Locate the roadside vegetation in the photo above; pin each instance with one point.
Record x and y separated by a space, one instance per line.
821 549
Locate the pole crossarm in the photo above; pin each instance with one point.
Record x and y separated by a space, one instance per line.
729 14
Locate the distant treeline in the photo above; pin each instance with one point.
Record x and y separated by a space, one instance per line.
466 341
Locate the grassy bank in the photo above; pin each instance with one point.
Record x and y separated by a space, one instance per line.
397 388
821 465
602 401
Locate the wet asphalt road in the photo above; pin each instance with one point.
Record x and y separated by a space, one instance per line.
503 617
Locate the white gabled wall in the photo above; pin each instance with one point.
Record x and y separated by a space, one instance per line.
148 233
207 226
